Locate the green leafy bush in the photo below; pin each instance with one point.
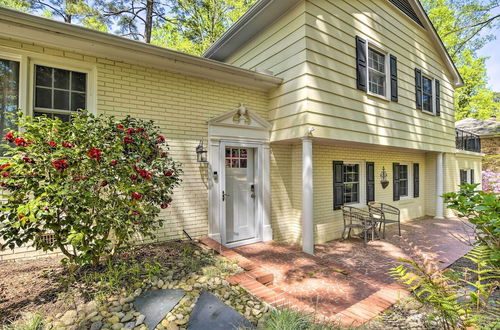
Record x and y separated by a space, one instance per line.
482 209
93 183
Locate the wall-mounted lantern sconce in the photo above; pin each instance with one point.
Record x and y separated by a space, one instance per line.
383 178
201 153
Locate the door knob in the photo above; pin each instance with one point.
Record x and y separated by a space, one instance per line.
252 190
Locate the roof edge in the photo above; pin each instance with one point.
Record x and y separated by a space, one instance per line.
417 6
190 63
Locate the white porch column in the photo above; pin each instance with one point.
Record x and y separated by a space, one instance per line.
439 186
307 196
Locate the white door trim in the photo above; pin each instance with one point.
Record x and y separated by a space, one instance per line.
248 130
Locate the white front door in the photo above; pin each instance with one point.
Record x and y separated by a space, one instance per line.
240 194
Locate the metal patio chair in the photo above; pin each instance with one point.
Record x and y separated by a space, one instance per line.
358 219
386 214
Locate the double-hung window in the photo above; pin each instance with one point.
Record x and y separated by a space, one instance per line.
351 184
9 94
377 77
59 92
427 94
403 180
466 176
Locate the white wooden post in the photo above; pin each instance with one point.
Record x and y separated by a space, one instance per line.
439 186
307 197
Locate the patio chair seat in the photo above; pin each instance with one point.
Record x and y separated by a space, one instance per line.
355 218
386 214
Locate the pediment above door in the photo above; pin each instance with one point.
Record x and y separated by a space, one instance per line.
239 123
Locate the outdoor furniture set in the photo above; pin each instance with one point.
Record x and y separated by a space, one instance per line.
371 223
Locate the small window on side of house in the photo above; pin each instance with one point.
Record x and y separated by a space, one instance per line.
427 94
351 184
377 77
59 92
403 180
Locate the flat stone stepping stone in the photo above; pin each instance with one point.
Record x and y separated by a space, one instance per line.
155 304
212 313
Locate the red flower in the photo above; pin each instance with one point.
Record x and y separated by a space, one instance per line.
130 131
67 145
120 127
21 142
168 173
163 154
4 166
140 130
144 174
5 174
134 213
104 183
59 164
136 195
9 137
160 139
133 176
52 144
164 206
127 140
95 153
20 217
28 160
113 162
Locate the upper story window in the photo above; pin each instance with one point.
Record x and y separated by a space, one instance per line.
58 92
376 72
427 93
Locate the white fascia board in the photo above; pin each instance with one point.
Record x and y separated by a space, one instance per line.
46 32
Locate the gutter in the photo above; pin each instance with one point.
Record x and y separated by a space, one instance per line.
89 41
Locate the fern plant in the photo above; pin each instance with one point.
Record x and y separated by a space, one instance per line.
458 302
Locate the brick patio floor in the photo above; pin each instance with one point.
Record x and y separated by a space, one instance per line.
347 281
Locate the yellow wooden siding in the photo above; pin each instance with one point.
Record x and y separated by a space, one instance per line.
319 87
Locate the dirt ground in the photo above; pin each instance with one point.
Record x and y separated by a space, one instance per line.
46 286
30 286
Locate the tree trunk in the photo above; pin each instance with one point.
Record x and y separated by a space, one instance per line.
148 27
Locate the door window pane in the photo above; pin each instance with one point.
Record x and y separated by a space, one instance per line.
236 158
9 95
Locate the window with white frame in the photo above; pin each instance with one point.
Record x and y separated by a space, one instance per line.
9 94
58 92
403 180
351 184
466 176
377 76
427 94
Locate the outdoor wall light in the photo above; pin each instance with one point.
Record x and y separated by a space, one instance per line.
201 153
383 178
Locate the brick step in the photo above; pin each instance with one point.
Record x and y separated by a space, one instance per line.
253 270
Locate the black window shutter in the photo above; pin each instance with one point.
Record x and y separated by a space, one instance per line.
395 181
338 184
361 70
438 98
394 78
416 180
463 177
471 176
370 182
418 88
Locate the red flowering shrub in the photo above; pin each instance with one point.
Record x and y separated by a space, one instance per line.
96 184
